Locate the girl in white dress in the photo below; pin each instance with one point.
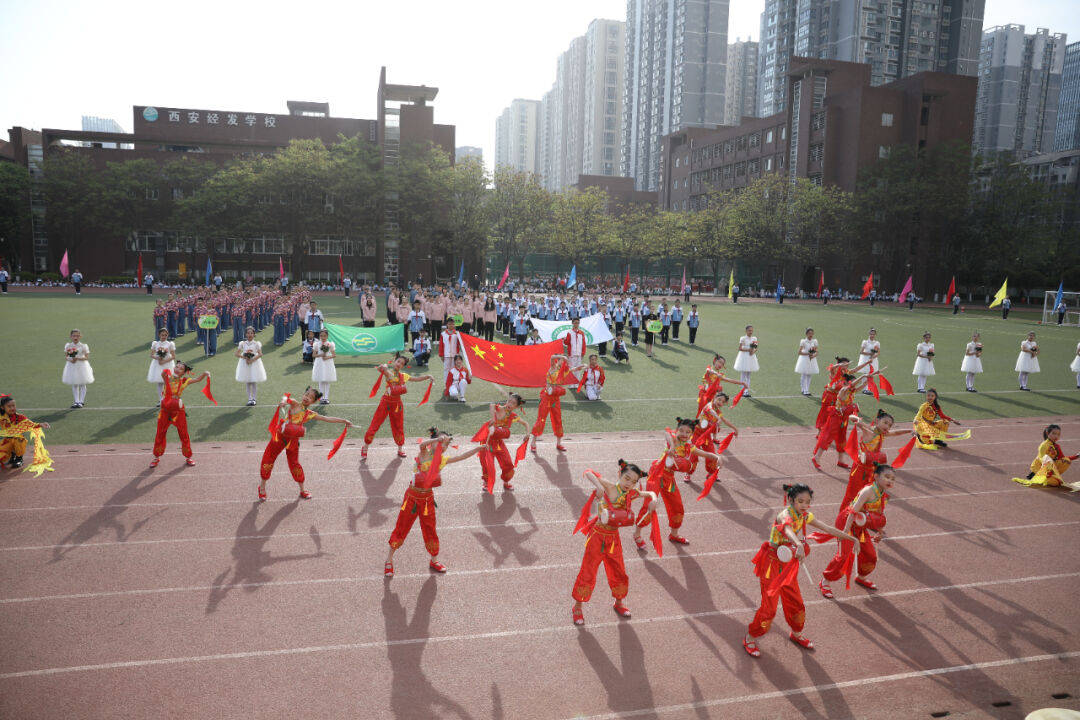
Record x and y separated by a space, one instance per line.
806 364
77 371
162 357
1075 366
249 366
323 371
1028 360
972 364
924 361
746 361
869 351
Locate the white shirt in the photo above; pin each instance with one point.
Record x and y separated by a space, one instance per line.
1028 345
805 345
869 346
251 346
923 348
317 347
577 342
745 342
449 345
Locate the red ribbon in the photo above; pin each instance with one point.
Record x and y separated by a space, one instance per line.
520 454
738 397
427 393
852 447
436 462
206 391
375 387
275 422
725 442
873 387
885 384
904 454
481 434
586 510
654 535
709 483
337 443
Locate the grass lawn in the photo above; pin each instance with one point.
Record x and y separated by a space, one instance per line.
121 405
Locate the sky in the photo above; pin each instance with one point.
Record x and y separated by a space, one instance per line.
61 59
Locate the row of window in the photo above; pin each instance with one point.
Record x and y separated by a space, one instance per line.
173 242
714 176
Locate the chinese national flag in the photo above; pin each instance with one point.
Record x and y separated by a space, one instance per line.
868 287
513 365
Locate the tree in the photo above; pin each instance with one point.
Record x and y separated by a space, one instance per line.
14 211
75 196
519 209
633 228
668 237
132 201
468 218
580 224
358 187
712 231
421 181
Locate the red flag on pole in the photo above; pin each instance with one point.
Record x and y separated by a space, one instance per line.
867 287
340 268
904 454
952 290
626 280
138 275
281 268
821 283
505 275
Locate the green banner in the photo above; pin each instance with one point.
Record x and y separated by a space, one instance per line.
208 322
350 340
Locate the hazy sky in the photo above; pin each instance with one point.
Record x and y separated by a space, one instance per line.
61 59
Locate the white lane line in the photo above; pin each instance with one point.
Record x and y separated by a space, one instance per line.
448 528
471 573
876 680
564 628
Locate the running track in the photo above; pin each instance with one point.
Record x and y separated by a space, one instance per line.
126 592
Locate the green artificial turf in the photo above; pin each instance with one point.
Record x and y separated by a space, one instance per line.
646 395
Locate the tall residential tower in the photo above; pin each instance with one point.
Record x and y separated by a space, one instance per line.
517 136
1067 134
740 90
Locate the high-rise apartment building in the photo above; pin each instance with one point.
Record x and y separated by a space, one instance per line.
517 136
676 67
740 90
897 38
1019 88
1067 134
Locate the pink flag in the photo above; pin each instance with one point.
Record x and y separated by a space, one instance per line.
506 274
906 290
281 268
64 265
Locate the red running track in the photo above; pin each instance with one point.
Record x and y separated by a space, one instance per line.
128 592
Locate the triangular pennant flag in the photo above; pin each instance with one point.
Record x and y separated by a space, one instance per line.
885 384
852 446
206 391
337 443
738 397
481 434
275 422
427 393
725 442
581 383
520 454
436 462
375 387
654 535
586 510
709 483
873 388
904 454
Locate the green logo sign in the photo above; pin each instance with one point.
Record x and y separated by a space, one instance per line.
654 326
559 332
208 322
150 114
364 342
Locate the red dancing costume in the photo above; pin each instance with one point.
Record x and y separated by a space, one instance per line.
835 428
495 449
551 404
708 388
419 503
871 517
828 395
603 545
390 406
705 435
862 471
172 412
287 438
779 579
662 480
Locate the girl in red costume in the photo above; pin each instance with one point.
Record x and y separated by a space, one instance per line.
286 436
836 371
494 435
871 454
835 428
679 456
602 541
866 512
711 380
777 566
708 424
551 399
390 406
13 444
419 502
172 410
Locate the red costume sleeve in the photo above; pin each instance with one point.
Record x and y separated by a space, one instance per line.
603 378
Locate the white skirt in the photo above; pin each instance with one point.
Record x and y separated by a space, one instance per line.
873 367
323 370
77 373
253 373
971 364
923 366
1075 366
1026 363
153 375
745 362
806 365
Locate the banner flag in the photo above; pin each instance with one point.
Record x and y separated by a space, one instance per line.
351 340
596 330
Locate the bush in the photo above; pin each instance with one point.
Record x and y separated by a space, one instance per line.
119 279
55 277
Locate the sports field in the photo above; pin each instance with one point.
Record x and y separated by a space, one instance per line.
646 395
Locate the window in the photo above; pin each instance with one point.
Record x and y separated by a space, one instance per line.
755 140
882 152
267 245
768 164
817 152
178 193
817 122
886 119
151 193
676 162
768 137
177 244
144 241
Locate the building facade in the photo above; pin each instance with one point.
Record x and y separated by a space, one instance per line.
1067 133
740 90
676 68
1019 88
517 136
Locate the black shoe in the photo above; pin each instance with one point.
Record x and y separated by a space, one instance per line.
75 406
16 461
921 391
1026 389
940 443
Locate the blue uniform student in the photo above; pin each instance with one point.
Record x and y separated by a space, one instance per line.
635 325
521 326
664 316
417 321
619 316
422 349
314 318
676 319
735 293
693 320
76 281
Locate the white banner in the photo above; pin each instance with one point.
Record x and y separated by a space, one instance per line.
596 330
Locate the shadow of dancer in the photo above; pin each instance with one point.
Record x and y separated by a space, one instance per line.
628 687
411 694
378 506
505 541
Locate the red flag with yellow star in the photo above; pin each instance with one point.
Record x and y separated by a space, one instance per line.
513 365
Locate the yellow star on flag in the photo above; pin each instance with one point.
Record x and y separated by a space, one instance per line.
478 351
492 347
500 354
502 364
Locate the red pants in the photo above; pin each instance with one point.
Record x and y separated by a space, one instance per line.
828 401
292 455
417 504
496 450
602 545
867 559
832 432
552 406
166 418
794 610
668 491
390 406
710 464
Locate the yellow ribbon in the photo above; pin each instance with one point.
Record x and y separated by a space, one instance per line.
42 460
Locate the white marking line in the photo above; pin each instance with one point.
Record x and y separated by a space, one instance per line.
447 528
569 406
566 628
825 687
469 573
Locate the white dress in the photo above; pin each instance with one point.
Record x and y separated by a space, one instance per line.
1025 362
865 349
972 363
323 370
745 362
77 373
153 375
1075 366
924 366
807 365
255 372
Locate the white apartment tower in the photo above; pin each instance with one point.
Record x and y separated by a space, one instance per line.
740 90
517 136
676 67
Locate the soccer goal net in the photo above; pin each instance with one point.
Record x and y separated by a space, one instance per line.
1071 300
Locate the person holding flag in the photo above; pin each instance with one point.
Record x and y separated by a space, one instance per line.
868 290
821 290
390 406
733 288
779 292
171 411
571 279
1001 297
